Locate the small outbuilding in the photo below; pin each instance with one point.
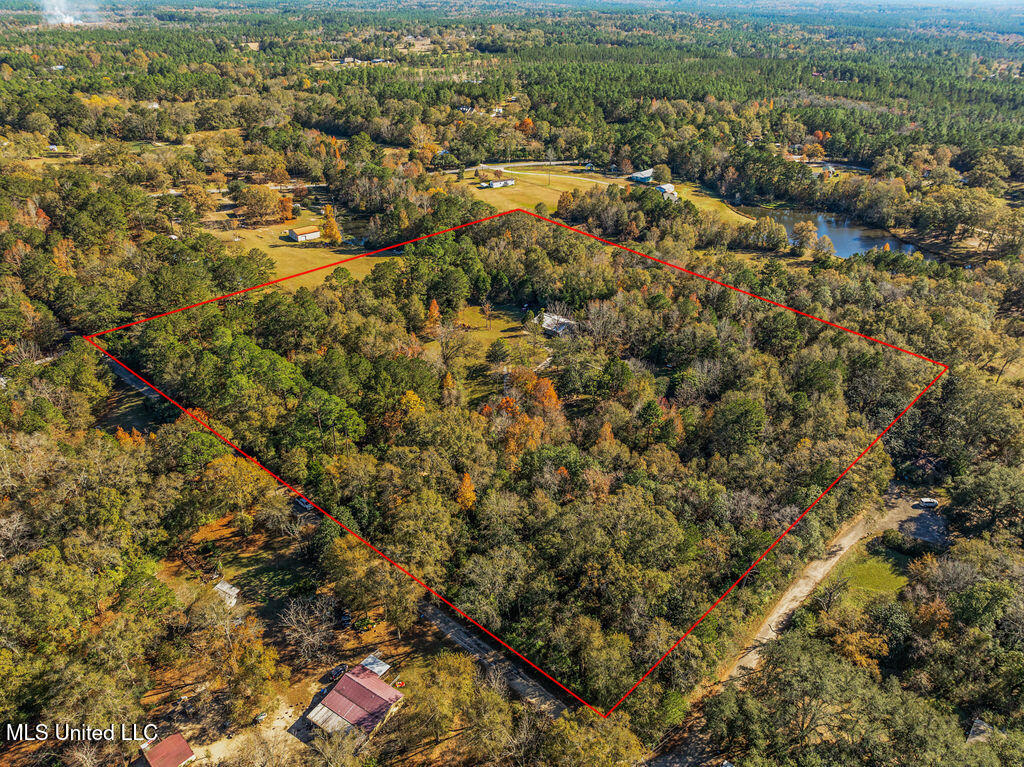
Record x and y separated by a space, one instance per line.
172 751
227 592
304 233
376 665
359 699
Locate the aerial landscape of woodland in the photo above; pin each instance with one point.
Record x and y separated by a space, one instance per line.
511 384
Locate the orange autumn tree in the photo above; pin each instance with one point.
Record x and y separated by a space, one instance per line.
545 396
329 228
433 318
285 206
465 498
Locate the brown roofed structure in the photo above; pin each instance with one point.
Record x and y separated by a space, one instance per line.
359 699
172 751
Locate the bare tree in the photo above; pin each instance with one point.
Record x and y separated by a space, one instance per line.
338 749
830 593
13 530
452 341
308 624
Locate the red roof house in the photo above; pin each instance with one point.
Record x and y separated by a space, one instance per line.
359 699
172 751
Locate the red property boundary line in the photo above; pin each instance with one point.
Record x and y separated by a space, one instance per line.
90 339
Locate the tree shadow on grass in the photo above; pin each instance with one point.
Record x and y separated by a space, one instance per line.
268 577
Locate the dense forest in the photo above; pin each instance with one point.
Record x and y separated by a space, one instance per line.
587 503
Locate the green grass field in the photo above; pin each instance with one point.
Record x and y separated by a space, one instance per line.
873 574
293 258
506 323
534 185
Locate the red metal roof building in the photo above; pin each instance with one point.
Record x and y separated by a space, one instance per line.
359 699
172 751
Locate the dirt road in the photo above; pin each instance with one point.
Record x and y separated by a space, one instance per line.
520 682
900 513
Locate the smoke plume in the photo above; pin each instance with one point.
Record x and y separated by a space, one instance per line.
68 11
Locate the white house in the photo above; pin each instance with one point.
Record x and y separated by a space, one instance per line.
304 233
499 182
643 176
555 325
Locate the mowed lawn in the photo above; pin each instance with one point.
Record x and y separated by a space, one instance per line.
483 379
871 574
505 323
294 258
534 184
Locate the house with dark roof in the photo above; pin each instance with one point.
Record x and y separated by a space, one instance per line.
172 751
359 699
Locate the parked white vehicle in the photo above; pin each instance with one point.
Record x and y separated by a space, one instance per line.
928 503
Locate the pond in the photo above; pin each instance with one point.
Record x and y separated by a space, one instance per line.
847 237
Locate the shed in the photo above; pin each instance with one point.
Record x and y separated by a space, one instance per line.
172 751
304 233
359 699
555 325
227 592
376 665
643 176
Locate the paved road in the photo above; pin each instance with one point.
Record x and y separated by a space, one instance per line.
470 641
516 164
900 513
